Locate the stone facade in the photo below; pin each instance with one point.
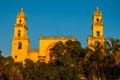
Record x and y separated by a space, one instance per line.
97 29
21 42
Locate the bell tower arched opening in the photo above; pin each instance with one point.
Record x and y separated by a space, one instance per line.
97 33
19 33
97 20
20 45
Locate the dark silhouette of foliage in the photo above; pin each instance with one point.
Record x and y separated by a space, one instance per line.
68 61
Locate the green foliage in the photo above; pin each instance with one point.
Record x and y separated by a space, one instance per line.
69 61
9 71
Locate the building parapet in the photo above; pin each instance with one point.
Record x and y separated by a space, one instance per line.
95 37
33 50
57 37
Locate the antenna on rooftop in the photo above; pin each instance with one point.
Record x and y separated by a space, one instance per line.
57 30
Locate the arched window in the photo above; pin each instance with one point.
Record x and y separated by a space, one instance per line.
97 20
19 45
20 20
97 33
19 32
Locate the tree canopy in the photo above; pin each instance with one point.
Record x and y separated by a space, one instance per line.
68 61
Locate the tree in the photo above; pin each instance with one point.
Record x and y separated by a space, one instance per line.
8 71
96 59
113 48
0 52
30 70
67 56
113 52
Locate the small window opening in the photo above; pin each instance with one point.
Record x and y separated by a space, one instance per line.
19 45
97 33
97 20
19 32
15 57
20 20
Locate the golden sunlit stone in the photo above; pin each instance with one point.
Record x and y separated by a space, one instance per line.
97 29
21 43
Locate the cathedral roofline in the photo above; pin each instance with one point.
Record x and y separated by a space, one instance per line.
57 37
33 50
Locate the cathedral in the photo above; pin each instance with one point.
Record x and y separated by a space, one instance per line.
21 42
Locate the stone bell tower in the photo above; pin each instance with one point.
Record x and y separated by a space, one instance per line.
20 41
97 29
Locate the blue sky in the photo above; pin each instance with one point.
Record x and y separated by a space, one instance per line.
45 17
